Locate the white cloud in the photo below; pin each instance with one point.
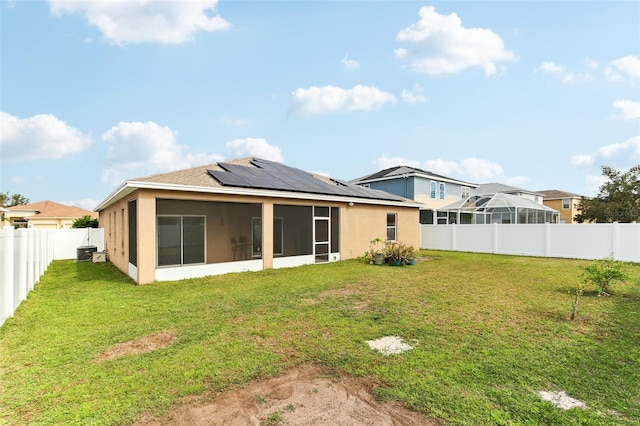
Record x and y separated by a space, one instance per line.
350 64
135 149
40 137
146 21
473 169
591 63
627 67
253 147
561 72
629 110
627 150
416 96
327 99
442 45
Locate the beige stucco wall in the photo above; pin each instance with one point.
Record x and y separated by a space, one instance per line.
115 223
359 224
362 223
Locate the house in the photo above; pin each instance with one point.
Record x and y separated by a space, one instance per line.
430 189
565 202
44 215
245 215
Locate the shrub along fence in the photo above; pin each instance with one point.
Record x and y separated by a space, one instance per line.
578 241
25 255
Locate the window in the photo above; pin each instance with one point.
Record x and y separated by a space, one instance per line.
181 240
433 189
465 191
392 226
441 190
565 203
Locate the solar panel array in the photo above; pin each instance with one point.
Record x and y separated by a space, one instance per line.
276 176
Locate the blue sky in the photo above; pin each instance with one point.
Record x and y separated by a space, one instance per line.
538 95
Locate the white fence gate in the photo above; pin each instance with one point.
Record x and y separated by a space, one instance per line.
25 254
579 241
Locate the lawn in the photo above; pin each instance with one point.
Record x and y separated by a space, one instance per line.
489 332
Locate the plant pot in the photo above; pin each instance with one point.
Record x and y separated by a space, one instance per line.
396 262
378 259
412 261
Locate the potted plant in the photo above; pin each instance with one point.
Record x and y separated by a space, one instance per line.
376 254
392 253
410 255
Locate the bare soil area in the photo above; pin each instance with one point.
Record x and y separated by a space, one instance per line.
301 396
148 343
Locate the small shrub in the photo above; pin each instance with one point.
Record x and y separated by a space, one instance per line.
576 293
602 273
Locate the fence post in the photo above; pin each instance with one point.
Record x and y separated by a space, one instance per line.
30 272
495 237
614 239
6 273
547 239
453 236
20 266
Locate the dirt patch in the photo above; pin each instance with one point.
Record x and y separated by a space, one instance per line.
561 400
148 343
301 396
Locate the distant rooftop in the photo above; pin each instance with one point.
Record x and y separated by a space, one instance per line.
399 171
554 194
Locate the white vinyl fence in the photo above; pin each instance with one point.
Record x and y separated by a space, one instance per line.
25 255
579 241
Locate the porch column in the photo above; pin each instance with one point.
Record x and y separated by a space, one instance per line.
146 237
267 235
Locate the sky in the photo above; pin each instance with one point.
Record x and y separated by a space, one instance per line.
539 95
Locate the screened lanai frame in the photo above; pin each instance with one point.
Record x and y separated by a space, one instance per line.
496 208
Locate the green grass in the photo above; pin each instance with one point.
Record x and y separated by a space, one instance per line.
491 332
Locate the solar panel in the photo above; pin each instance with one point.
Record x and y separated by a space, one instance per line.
277 176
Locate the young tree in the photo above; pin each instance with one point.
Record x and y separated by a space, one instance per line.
618 199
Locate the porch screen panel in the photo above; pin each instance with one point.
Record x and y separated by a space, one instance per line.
169 240
193 230
335 229
133 232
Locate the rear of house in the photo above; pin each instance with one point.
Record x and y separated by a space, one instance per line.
245 215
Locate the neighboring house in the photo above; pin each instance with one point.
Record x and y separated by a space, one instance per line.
431 189
245 215
565 202
495 188
44 215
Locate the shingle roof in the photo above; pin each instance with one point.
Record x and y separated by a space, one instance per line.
51 209
396 171
279 179
553 194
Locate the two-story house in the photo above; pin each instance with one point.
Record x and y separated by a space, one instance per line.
565 202
430 189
